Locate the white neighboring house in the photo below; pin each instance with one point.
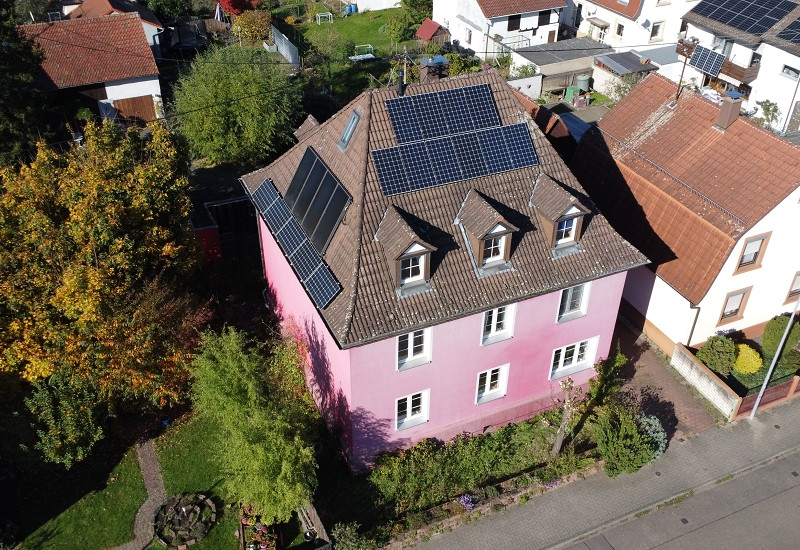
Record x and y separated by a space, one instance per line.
710 198
761 45
492 27
122 74
374 5
152 27
628 24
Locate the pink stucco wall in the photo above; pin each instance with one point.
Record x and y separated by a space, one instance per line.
357 388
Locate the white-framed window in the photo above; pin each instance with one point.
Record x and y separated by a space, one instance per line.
498 324
565 232
412 410
494 249
492 384
791 72
573 302
620 28
573 358
794 290
753 252
412 269
413 349
657 31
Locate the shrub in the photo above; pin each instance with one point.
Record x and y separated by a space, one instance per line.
718 354
748 360
623 444
346 537
651 427
773 333
790 361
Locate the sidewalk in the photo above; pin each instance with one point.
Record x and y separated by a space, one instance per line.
562 516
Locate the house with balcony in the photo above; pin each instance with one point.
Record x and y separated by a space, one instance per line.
629 24
439 261
710 198
758 45
120 78
493 27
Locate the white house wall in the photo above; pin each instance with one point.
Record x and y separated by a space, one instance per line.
133 87
459 17
374 5
770 282
531 86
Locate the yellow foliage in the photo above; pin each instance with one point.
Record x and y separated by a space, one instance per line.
748 360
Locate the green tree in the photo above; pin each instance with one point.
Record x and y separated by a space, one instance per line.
253 26
417 10
23 108
235 105
91 244
623 443
267 417
169 10
769 111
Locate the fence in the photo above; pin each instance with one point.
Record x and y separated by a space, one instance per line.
720 395
286 48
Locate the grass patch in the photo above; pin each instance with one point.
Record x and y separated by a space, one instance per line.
360 28
724 479
186 457
101 519
677 500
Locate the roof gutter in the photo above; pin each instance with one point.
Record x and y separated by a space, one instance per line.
694 324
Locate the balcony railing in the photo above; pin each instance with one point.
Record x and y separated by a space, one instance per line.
743 74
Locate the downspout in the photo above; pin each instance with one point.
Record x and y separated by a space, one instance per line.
791 107
694 324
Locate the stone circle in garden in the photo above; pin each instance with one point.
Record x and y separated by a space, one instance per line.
184 520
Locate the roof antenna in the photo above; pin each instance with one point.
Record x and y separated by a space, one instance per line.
684 45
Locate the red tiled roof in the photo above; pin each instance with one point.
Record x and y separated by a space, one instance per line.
631 11
427 29
99 8
368 308
680 190
498 8
81 52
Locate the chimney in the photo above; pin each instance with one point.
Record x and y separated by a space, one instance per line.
728 113
401 85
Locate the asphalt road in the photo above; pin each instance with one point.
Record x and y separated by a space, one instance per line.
759 509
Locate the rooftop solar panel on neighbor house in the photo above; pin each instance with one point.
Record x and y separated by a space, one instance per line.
751 16
315 276
708 61
791 32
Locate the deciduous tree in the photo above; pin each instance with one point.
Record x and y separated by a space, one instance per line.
238 6
267 417
235 105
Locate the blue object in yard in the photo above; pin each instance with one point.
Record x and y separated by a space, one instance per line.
351 8
734 94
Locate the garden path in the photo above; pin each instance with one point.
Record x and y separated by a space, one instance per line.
154 483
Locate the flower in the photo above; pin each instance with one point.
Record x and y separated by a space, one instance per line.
466 502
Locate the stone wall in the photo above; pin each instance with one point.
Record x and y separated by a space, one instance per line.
705 382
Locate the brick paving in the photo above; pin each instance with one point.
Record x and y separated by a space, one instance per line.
698 456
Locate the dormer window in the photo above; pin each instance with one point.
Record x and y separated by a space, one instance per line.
560 215
412 268
408 255
565 231
493 248
487 232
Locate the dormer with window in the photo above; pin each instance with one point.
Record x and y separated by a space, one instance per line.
488 233
407 254
560 216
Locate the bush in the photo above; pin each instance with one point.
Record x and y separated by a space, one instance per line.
718 354
346 537
623 443
773 333
748 360
651 427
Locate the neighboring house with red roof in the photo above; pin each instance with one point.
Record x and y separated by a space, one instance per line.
710 198
153 28
106 59
492 27
431 31
442 265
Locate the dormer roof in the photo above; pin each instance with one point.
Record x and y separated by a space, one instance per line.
366 306
552 200
481 218
397 236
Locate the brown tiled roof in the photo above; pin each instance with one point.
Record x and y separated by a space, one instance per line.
100 8
81 52
368 308
307 126
551 199
680 190
479 217
498 8
396 235
631 11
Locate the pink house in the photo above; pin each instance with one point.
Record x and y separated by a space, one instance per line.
442 264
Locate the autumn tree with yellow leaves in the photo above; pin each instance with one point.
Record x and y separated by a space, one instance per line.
95 249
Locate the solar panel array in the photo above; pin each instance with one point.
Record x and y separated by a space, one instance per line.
317 199
791 32
751 16
449 136
708 61
316 277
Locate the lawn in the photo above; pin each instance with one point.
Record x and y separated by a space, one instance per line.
101 519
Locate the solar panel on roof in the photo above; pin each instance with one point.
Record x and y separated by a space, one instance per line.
322 286
791 32
330 219
444 161
708 61
481 105
455 111
315 276
429 115
751 16
404 119
469 154
300 176
493 145
419 172
520 146
391 174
